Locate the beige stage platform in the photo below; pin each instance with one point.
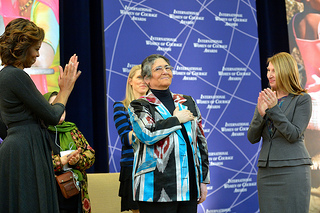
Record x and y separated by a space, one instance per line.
103 191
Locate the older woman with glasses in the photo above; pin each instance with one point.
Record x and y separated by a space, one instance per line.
171 167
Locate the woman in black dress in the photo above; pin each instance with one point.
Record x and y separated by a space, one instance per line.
27 182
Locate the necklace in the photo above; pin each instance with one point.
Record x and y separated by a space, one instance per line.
24 8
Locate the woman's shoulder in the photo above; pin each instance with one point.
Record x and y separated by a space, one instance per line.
188 98
142 104
118 104
304 96
12 69
143 101
177 95
307 96
305 93
13 72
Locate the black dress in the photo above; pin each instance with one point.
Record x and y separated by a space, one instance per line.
27 182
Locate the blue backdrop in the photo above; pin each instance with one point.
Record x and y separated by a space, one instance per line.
213 47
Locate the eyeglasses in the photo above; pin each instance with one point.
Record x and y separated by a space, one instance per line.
168 68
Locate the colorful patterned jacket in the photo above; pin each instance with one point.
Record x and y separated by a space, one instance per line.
161 172
87 159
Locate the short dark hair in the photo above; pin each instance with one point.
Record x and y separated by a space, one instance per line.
147 64
19 35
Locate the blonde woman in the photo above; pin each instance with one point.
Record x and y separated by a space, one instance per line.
135 88
280 119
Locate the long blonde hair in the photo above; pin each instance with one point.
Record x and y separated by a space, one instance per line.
287 74
129 91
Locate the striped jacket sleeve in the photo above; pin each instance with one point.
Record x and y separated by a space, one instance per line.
122 122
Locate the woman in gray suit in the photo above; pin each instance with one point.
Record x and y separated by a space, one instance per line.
280 118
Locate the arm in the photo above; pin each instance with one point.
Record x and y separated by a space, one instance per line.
57 164
26 92
203 148
23 87
122 124
267 99
203 192
86 158
256 127
67 79
202 143
292 129
147 128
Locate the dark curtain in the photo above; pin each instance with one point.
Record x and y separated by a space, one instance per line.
272 31
81 32
81 28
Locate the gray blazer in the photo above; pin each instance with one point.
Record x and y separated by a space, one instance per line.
286 147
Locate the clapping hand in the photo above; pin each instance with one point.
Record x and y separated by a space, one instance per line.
266 100
70 74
